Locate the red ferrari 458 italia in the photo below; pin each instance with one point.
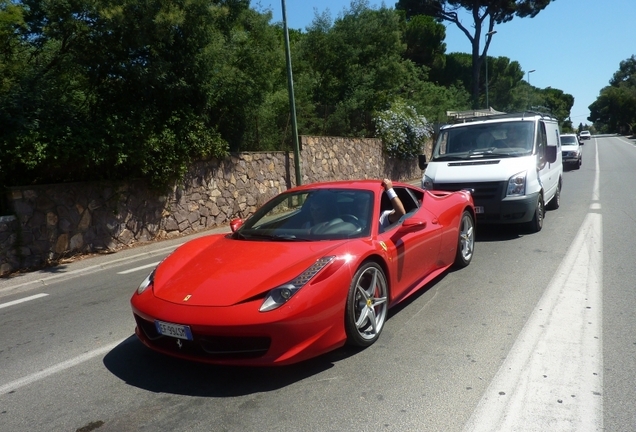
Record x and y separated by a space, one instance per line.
311 270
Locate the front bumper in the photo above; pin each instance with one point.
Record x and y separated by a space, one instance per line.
240 335
492 205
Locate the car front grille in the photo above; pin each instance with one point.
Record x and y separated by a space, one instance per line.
206 346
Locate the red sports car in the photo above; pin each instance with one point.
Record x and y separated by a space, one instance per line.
280 288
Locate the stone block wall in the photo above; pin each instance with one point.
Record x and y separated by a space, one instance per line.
52 222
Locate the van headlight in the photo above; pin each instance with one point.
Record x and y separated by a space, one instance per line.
517 184
427 183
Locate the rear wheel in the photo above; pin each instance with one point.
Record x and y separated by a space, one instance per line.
465 241
367 305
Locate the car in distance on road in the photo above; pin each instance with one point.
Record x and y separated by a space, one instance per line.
571 151
275 292
585 135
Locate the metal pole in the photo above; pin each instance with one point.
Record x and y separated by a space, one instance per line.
292 101
490 33
529 87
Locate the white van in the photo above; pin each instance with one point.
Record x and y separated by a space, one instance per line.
512 162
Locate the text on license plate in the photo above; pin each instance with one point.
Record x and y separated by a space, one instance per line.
479 209
174 330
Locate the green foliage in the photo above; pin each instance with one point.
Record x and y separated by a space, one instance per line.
357 67
485 14
120 89
615 108
402 130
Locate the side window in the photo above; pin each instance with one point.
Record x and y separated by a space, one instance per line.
542 143
409 199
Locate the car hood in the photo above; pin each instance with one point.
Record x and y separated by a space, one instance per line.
220 271
569 148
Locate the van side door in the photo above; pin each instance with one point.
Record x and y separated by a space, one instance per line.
548 175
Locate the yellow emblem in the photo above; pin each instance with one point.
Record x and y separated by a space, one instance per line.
383 245
186 298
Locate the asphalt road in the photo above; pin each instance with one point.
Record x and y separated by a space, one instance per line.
537 334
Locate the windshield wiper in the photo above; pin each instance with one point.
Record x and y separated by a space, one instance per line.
483 151
448 158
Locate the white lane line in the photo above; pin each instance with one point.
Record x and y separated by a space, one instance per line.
552 378
14 385
91 269
22 300
132 270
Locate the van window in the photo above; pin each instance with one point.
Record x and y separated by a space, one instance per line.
542 143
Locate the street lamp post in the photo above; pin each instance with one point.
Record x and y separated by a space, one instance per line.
490 33
529 87
292 100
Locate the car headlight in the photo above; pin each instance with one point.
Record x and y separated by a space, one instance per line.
517 184
146 282
427 183
281 294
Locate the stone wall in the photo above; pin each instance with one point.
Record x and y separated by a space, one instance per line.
53 222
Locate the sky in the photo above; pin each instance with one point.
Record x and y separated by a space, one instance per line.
572 45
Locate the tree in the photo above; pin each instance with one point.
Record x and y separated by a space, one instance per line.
358 67
484 13
615 108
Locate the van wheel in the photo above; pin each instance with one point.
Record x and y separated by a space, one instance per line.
536 223
555 202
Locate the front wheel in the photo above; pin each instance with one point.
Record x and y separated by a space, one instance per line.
465 241
536 223
367 305
555 202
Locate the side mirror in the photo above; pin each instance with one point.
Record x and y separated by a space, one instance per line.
421 161
551 154
236 224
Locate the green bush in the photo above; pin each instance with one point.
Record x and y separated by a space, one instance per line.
402 130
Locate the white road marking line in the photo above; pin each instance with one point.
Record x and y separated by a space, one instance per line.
552 377
91 269
14 385
22 300
138 268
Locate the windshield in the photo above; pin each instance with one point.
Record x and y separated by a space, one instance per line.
503 139
568 140
318 214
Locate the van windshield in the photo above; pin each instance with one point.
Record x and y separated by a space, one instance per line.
502 139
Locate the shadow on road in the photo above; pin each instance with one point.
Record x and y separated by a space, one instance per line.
143 368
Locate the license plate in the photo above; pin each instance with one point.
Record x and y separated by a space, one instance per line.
479 209
174 330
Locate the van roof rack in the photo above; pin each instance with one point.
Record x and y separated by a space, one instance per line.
476 115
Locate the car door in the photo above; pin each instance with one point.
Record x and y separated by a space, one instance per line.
548 176
413 245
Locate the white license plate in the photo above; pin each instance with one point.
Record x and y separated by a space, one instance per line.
174 330
479 209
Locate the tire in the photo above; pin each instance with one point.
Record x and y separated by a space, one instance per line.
367 305
536 223
465 241
555 202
